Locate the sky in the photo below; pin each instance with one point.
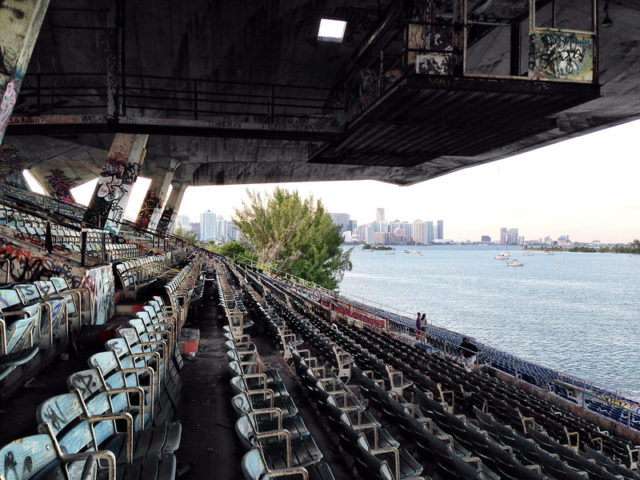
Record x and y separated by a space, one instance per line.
586 187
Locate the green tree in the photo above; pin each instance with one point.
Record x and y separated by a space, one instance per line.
187 235
296 235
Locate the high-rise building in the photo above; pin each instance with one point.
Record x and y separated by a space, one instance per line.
419 231
182 221
353 225
208 226
195 228
440 230
509 236
503 236
485 239
429 232
341 220
380 215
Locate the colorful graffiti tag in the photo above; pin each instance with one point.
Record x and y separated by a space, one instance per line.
61 185
112 192
560 56
152 201
23 265
8 102
165 219
100 283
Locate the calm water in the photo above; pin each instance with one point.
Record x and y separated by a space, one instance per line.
575 312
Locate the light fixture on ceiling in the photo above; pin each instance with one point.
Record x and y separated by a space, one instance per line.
606 21
331 30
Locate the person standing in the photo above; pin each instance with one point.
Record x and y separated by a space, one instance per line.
418 325
423 322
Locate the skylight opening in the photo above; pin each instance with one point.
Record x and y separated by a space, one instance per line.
331 30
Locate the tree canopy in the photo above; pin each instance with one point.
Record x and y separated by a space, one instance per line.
296 235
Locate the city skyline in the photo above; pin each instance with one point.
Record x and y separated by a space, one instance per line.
584 187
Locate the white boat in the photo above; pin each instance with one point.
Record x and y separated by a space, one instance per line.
514 263
502 256
548 253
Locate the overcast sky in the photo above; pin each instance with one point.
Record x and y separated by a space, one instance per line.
587 187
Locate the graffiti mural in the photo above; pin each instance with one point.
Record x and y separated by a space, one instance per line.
8 102
560 56
100 283
61 185
11 164
114 186
21 264
152 201
165 219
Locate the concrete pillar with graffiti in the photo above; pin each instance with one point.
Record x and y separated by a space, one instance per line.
119 173
170 212
151 208
12 162
20 24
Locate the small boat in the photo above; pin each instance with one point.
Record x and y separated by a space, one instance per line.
548 253
390 253
514 263
502 256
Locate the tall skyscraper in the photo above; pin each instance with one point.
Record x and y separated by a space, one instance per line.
380 215
419 231
440 235
208 226
429 234
503 236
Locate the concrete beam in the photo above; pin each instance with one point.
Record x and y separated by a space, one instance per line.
152 206
171 208
20 24
119 173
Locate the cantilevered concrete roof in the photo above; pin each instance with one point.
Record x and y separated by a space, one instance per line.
244 92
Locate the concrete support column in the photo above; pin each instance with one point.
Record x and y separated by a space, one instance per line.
11 164
151 208
120 171
170 213
20 24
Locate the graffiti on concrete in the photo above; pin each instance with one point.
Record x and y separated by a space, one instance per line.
29 265
112 191
152 201
165 219
11 165
8 102
100 283
61 185
560 56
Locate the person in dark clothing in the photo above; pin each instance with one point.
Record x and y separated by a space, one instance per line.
418 325
468 351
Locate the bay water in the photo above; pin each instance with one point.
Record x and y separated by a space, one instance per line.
574 312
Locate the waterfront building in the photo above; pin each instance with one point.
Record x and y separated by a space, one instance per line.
485 239
440 230
429 234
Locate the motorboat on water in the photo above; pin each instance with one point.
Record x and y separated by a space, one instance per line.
502 256
413 252
514 263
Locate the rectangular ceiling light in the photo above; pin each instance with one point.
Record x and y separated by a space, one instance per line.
331 30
